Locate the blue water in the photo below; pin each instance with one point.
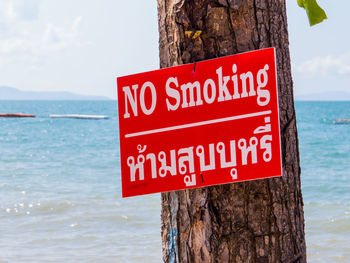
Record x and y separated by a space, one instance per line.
325 163
60 192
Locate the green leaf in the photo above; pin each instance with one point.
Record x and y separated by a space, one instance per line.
301 3
315 13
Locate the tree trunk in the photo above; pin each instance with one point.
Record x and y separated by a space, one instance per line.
257 221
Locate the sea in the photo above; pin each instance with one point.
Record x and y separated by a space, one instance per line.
60 186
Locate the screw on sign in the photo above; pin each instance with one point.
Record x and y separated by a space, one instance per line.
183 128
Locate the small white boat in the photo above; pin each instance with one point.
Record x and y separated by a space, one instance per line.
342 121
79 116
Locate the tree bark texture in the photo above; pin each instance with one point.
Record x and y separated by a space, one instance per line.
257 221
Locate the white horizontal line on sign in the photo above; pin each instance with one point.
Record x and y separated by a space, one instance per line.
195 124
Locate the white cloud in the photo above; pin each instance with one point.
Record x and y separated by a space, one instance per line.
75 45
58 38
27 9
324 65
25 36
12 10
28 41
6 12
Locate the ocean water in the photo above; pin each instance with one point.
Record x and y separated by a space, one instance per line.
60 190
325 166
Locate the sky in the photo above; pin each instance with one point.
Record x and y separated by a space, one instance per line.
81 46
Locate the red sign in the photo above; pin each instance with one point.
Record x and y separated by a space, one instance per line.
195 125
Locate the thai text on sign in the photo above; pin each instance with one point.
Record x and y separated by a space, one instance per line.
195 125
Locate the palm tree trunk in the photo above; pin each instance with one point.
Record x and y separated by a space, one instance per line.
257 221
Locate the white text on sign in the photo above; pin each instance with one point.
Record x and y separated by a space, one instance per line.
191 94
